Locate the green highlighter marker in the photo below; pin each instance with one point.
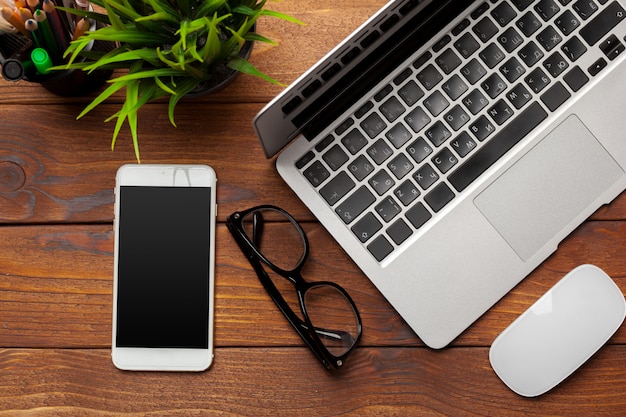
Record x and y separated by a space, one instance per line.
42 60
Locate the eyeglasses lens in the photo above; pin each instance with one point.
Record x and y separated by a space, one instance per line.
333 318
275 237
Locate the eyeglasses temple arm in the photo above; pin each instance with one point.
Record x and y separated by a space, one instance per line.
345 337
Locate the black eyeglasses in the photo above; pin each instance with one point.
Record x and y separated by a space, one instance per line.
329 322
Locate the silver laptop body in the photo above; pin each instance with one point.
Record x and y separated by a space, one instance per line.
449 146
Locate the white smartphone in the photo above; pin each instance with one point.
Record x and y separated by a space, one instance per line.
163 267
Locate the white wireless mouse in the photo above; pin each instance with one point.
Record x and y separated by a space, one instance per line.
559 332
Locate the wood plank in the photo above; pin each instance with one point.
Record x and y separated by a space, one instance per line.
56 288
48 174
287 382
67 175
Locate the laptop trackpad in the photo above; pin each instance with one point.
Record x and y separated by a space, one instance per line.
549 187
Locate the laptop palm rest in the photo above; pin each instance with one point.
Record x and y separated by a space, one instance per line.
556 181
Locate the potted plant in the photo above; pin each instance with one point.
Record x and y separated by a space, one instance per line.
168 47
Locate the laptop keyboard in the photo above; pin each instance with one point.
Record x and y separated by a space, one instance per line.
392 165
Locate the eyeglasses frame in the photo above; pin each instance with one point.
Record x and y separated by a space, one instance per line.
234 222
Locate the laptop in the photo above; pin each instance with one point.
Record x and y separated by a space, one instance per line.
450 145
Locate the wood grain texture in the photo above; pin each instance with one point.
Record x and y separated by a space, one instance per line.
288 382
56 266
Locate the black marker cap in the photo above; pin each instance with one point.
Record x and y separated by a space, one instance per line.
12 70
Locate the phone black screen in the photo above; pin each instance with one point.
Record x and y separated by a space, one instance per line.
163 267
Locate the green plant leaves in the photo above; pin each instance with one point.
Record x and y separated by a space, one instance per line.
168 47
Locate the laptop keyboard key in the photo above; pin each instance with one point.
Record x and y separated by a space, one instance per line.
426 177
503 14
436 103
380 248
381 182
439 197
419 150
491 55
612 47
456 117
361 167
355 204
380 151
567 23
398 135
400 166
417 119
429 77
485 29
373 125
475 101
510 40
519 96
463 144
573 49
466 45
454 87
392 109
367 227
585 8
537 80
547 9
388 209
473 71
500 144
335 157
418 215
407 192
528 24
500 112
444 160
555 64
354 141
603 23
512 69
493 85
482 128
555 96
549 38
316 173
522 4
337 188
597 66
576 78
437 133
411 93
448 61
530 54
304 161
399 231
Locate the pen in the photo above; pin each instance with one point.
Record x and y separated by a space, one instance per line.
33 4
81 27
42 60
25 13
49 39
60 29
31 26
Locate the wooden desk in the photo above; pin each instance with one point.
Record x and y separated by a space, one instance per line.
56 261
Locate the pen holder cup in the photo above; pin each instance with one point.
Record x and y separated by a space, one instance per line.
76 82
